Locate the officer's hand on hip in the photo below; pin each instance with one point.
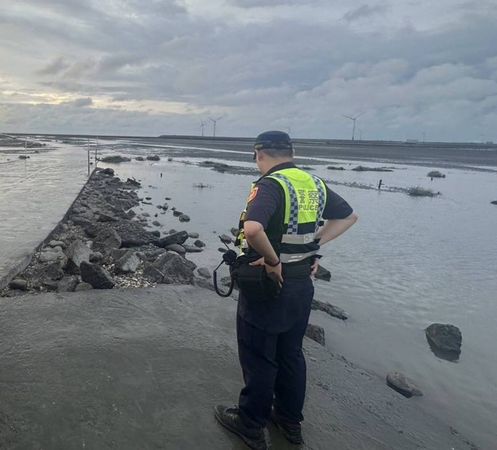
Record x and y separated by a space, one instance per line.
314 267
273 272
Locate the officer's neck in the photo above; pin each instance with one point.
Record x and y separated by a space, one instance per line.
271 163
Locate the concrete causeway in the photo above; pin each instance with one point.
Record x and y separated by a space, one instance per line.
143 368
35 194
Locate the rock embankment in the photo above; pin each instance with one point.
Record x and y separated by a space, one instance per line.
102 244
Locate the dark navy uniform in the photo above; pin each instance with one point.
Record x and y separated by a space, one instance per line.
270 331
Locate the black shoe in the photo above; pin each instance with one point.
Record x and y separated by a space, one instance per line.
291 431
230 419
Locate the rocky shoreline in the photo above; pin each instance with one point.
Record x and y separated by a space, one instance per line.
102 243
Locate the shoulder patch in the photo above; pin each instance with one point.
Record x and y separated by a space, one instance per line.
253 194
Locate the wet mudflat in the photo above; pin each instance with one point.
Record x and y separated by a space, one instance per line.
142 368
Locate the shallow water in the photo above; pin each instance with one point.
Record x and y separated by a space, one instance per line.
407 263
34 196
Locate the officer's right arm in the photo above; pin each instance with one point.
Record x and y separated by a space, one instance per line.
334 228
339 217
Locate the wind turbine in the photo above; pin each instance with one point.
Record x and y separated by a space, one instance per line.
214 122
202 126
353 120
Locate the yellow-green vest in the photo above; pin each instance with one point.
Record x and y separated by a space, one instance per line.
305 199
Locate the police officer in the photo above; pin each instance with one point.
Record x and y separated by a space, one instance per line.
280 231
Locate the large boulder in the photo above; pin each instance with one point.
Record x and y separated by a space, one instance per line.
128 263
316 333
96 276
175 238
76 253
170 268
445 340
55 254
106 240
400 383
133 234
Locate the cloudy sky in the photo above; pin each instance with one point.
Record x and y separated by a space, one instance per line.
148 67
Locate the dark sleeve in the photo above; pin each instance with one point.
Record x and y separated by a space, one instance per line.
336 207
265 202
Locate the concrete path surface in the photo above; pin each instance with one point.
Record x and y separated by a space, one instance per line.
142 369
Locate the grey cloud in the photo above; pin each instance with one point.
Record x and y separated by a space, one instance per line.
80 102
55 67
288 71
264 3
364 11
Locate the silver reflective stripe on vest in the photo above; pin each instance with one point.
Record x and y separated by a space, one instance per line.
295 257
293 220
298 238
322 199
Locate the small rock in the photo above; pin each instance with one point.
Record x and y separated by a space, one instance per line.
192 249
222 249
445 340
323 274
114 159
177 213
316 333
96 257
18 283
108 170
153 158
68 284
57 244
226 239
193 235
199 243
148 198
494 202
145 214
400 383
83 287
184 218
96 275
156 223
204 272
176 238
179 249
235 232
140 158
155 233
172 231
329 309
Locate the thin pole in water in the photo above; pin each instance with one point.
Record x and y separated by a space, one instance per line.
88 150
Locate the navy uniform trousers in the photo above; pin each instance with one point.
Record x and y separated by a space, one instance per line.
270 334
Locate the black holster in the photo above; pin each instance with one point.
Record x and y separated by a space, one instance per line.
253 281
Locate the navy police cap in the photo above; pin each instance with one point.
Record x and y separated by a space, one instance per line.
273 140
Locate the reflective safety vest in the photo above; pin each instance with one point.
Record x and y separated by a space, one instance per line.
305 199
